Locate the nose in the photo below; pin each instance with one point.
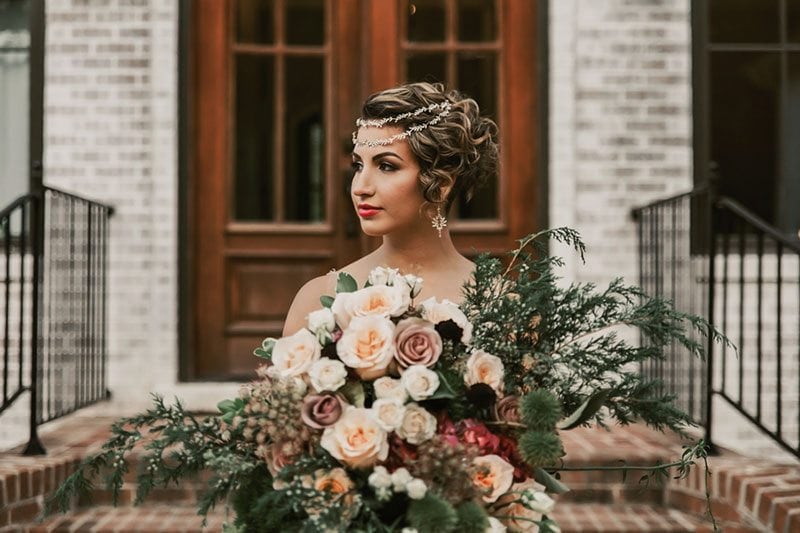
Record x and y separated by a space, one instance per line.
362 184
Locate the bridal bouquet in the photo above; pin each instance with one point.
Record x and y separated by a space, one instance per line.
391 414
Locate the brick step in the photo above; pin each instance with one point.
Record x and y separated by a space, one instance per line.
173 518
572 518
628 518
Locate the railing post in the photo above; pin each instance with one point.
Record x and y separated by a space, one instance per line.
36 221
711 229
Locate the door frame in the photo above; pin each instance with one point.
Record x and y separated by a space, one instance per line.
527 68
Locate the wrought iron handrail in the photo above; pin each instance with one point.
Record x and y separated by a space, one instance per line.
53 280
711 256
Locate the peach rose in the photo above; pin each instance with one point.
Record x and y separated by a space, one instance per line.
356 439
416 343
493 476
484 368
334 481
293 355
366 345
378 300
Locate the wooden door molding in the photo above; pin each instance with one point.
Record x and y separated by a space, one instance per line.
209 152
245 273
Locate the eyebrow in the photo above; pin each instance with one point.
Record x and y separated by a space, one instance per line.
380 155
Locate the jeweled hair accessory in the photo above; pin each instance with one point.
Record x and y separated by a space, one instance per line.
379 123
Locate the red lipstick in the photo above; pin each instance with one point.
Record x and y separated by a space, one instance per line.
367 210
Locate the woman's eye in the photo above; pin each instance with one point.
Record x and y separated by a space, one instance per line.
356 165
387 167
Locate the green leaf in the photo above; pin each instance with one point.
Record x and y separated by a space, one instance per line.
551 484
326 301
227 406
345 283
354 392
586 411
265 351
445 390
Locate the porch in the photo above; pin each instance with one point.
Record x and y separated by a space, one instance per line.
748 494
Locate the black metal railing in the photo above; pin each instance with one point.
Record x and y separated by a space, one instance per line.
54 281
714 258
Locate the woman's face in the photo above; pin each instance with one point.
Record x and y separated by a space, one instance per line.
385 189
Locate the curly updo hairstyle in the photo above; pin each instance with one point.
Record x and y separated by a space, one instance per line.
460 151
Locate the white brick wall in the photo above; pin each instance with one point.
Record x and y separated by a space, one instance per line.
111 134
620 121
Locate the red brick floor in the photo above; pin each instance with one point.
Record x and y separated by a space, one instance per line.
600 502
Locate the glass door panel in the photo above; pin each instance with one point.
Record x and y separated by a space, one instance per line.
281 53
14 99
455 42
255 140
304 189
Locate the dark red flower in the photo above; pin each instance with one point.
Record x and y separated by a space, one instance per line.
446 428
474 432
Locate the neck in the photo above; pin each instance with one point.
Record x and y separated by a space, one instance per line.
416 252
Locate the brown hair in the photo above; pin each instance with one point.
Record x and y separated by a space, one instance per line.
459 151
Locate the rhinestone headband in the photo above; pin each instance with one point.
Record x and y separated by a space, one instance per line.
379 123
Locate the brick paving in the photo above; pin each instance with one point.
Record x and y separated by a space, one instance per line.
748 495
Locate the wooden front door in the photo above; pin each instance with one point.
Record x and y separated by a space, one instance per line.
276 87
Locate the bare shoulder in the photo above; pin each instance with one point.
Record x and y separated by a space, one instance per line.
307 300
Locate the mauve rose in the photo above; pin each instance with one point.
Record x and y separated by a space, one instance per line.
507 410
322 410
417 343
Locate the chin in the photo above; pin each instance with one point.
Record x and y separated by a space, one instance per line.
372 230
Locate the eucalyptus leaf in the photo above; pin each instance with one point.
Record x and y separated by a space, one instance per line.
551 484
326 301
345 283
586 410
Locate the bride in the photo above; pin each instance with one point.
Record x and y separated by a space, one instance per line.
416 149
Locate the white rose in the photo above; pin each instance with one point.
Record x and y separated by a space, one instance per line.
416 489
420 382
493 476
380 300
368 346
356 439
389 412
400 478
418 425
321 320
387 387
414 283
382 276
515 505
484 368
380 478
294 355
434 311
327 374
539 502
409 530
495 526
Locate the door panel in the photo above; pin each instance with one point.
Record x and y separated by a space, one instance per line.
276 87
